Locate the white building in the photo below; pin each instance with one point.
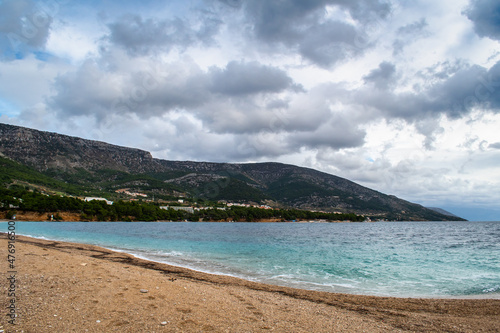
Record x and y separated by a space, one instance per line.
99 199
187 209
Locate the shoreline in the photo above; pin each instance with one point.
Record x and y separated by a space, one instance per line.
71 265
28 216
493 296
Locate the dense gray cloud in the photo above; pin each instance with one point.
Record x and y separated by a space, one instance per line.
249 78
302 25
331 42
383 76
495 145
288 21
469 88
297 9
85 91
338 133
235 97
454 95
486 17
24 27
94 90
143 36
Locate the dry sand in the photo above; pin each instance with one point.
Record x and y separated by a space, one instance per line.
67 287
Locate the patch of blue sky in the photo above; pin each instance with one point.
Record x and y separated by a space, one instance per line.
7 108
7 51
10 55
119 8
13 47
42 56
19 55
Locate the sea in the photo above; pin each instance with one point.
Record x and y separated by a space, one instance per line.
401 259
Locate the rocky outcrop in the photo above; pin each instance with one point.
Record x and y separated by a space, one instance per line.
45 150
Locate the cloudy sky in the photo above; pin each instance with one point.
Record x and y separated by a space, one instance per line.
400 96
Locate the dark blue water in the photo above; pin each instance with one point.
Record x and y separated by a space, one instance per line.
408 259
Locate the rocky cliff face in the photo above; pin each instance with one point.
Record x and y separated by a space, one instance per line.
45 150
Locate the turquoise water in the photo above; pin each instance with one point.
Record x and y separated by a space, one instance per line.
417 259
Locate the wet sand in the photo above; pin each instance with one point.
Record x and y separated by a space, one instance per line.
68 287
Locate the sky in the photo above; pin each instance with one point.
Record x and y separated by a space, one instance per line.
400 96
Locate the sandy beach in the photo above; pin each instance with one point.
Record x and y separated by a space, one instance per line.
68 287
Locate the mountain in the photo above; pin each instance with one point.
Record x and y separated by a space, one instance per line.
82 167
442 211
50 151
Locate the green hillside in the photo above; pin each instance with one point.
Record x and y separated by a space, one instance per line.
79 167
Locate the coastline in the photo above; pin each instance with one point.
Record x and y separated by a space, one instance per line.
28 216
204 270
66 286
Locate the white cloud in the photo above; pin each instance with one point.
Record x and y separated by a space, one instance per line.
461 168
25 82
73 43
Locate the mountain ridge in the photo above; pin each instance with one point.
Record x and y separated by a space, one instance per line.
107 167
442 211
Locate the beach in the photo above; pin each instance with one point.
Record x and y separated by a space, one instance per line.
69 287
